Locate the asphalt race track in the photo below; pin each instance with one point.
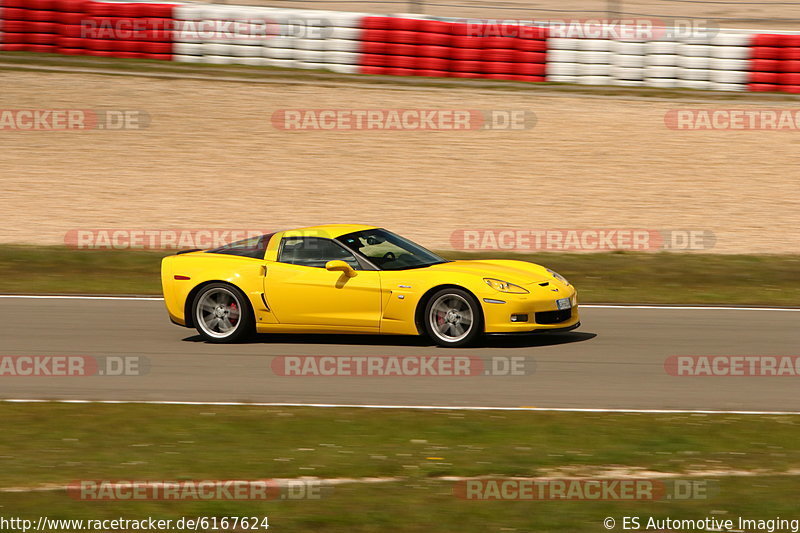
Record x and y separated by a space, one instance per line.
615 360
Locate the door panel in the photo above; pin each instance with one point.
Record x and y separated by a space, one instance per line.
314 296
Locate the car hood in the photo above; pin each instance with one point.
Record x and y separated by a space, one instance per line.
518 272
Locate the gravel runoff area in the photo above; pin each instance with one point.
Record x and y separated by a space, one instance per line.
727 14
211 158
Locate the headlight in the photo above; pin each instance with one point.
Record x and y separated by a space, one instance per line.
504 286
558 276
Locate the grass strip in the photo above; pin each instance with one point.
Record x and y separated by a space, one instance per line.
430 506
600 277
58 443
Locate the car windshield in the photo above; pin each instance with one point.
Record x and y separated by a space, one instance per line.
389 251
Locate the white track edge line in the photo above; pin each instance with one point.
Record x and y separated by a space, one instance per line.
587 306
415 407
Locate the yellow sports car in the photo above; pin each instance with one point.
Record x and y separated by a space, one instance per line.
347 278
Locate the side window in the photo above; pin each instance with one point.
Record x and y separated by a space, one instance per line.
314 252
253 247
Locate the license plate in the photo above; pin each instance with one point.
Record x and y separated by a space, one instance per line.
563 303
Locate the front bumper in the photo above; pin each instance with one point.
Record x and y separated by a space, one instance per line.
540 307
538 330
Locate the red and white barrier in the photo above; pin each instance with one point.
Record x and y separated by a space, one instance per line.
420 47
85 27
775 63
407 45
260 36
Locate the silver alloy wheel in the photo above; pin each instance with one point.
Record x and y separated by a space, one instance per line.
218 312
451 317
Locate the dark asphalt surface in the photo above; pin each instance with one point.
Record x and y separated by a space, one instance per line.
615 360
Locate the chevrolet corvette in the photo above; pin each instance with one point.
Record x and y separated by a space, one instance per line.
347 278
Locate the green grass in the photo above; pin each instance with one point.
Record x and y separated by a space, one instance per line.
430 507
58 269
600 277
58 443
67 442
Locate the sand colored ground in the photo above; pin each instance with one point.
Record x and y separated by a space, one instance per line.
212 159
728 14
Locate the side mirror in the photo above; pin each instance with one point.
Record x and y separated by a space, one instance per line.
341 266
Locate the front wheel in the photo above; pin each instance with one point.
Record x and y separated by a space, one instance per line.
222 314
453 318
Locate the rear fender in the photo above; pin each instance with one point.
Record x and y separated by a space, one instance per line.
182 276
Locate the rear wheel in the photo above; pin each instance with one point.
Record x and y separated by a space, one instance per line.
222 314
453 318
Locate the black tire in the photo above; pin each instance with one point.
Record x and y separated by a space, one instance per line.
445 318
223 306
